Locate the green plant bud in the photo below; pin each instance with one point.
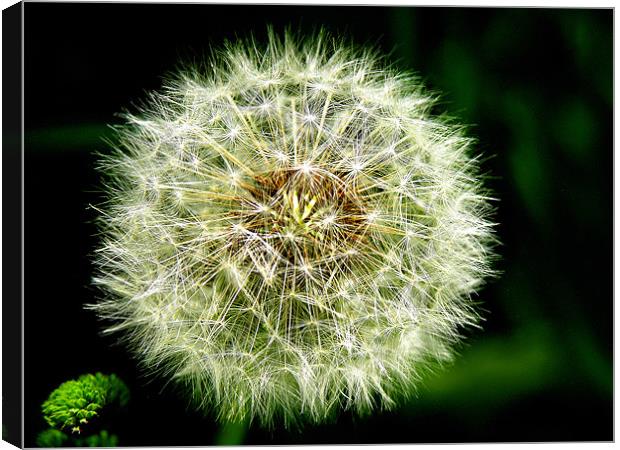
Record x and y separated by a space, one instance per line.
76 402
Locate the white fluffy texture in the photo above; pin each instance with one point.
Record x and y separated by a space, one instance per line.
292 233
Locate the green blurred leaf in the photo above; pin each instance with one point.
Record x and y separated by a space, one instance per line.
575 129
82 137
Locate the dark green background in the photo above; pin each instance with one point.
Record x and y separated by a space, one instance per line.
536 86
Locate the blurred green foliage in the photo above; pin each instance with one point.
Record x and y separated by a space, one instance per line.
231 433
52 438
102 439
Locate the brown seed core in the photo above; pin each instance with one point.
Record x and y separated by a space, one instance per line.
302 219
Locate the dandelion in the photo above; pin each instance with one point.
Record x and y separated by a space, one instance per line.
292 233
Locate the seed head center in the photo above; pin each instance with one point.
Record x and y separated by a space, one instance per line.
304 217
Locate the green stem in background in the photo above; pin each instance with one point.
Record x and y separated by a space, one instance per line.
232 433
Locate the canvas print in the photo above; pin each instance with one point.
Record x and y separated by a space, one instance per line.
298 224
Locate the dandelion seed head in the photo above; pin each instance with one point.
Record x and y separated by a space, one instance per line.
292 234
